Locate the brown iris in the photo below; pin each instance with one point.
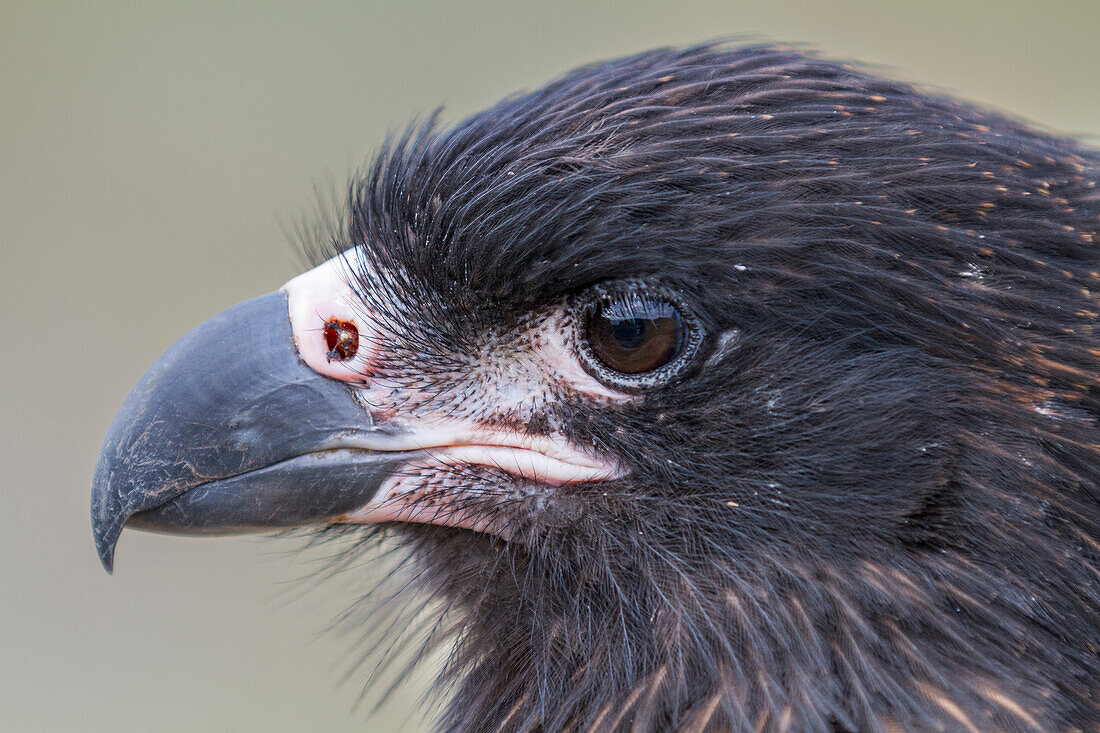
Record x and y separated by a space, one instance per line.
632 334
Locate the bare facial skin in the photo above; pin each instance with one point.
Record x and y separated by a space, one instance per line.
497 393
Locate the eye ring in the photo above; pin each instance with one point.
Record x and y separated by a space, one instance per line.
636 336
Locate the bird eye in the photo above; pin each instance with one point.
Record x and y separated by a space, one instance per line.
633 336
636 338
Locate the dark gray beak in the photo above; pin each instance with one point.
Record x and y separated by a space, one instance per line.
229 431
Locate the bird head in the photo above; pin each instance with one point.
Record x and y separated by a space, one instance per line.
717 387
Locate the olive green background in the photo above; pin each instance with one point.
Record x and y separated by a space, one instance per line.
152 156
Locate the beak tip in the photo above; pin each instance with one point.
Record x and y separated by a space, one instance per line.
105 541
107 523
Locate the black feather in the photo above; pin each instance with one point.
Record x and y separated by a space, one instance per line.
878 507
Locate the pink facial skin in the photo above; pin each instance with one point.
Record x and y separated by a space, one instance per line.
455 440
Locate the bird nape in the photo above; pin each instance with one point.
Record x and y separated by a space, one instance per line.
718 389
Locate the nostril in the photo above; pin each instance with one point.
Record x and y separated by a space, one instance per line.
334 328
341 338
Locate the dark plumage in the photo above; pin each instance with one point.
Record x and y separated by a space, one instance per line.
871 502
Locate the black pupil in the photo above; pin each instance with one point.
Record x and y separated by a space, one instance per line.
634 335
630 334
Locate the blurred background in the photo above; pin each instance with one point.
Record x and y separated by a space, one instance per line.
152 156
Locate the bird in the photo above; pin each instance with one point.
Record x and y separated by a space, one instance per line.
713 388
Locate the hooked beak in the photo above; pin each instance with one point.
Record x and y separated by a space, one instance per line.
253 421
230 431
